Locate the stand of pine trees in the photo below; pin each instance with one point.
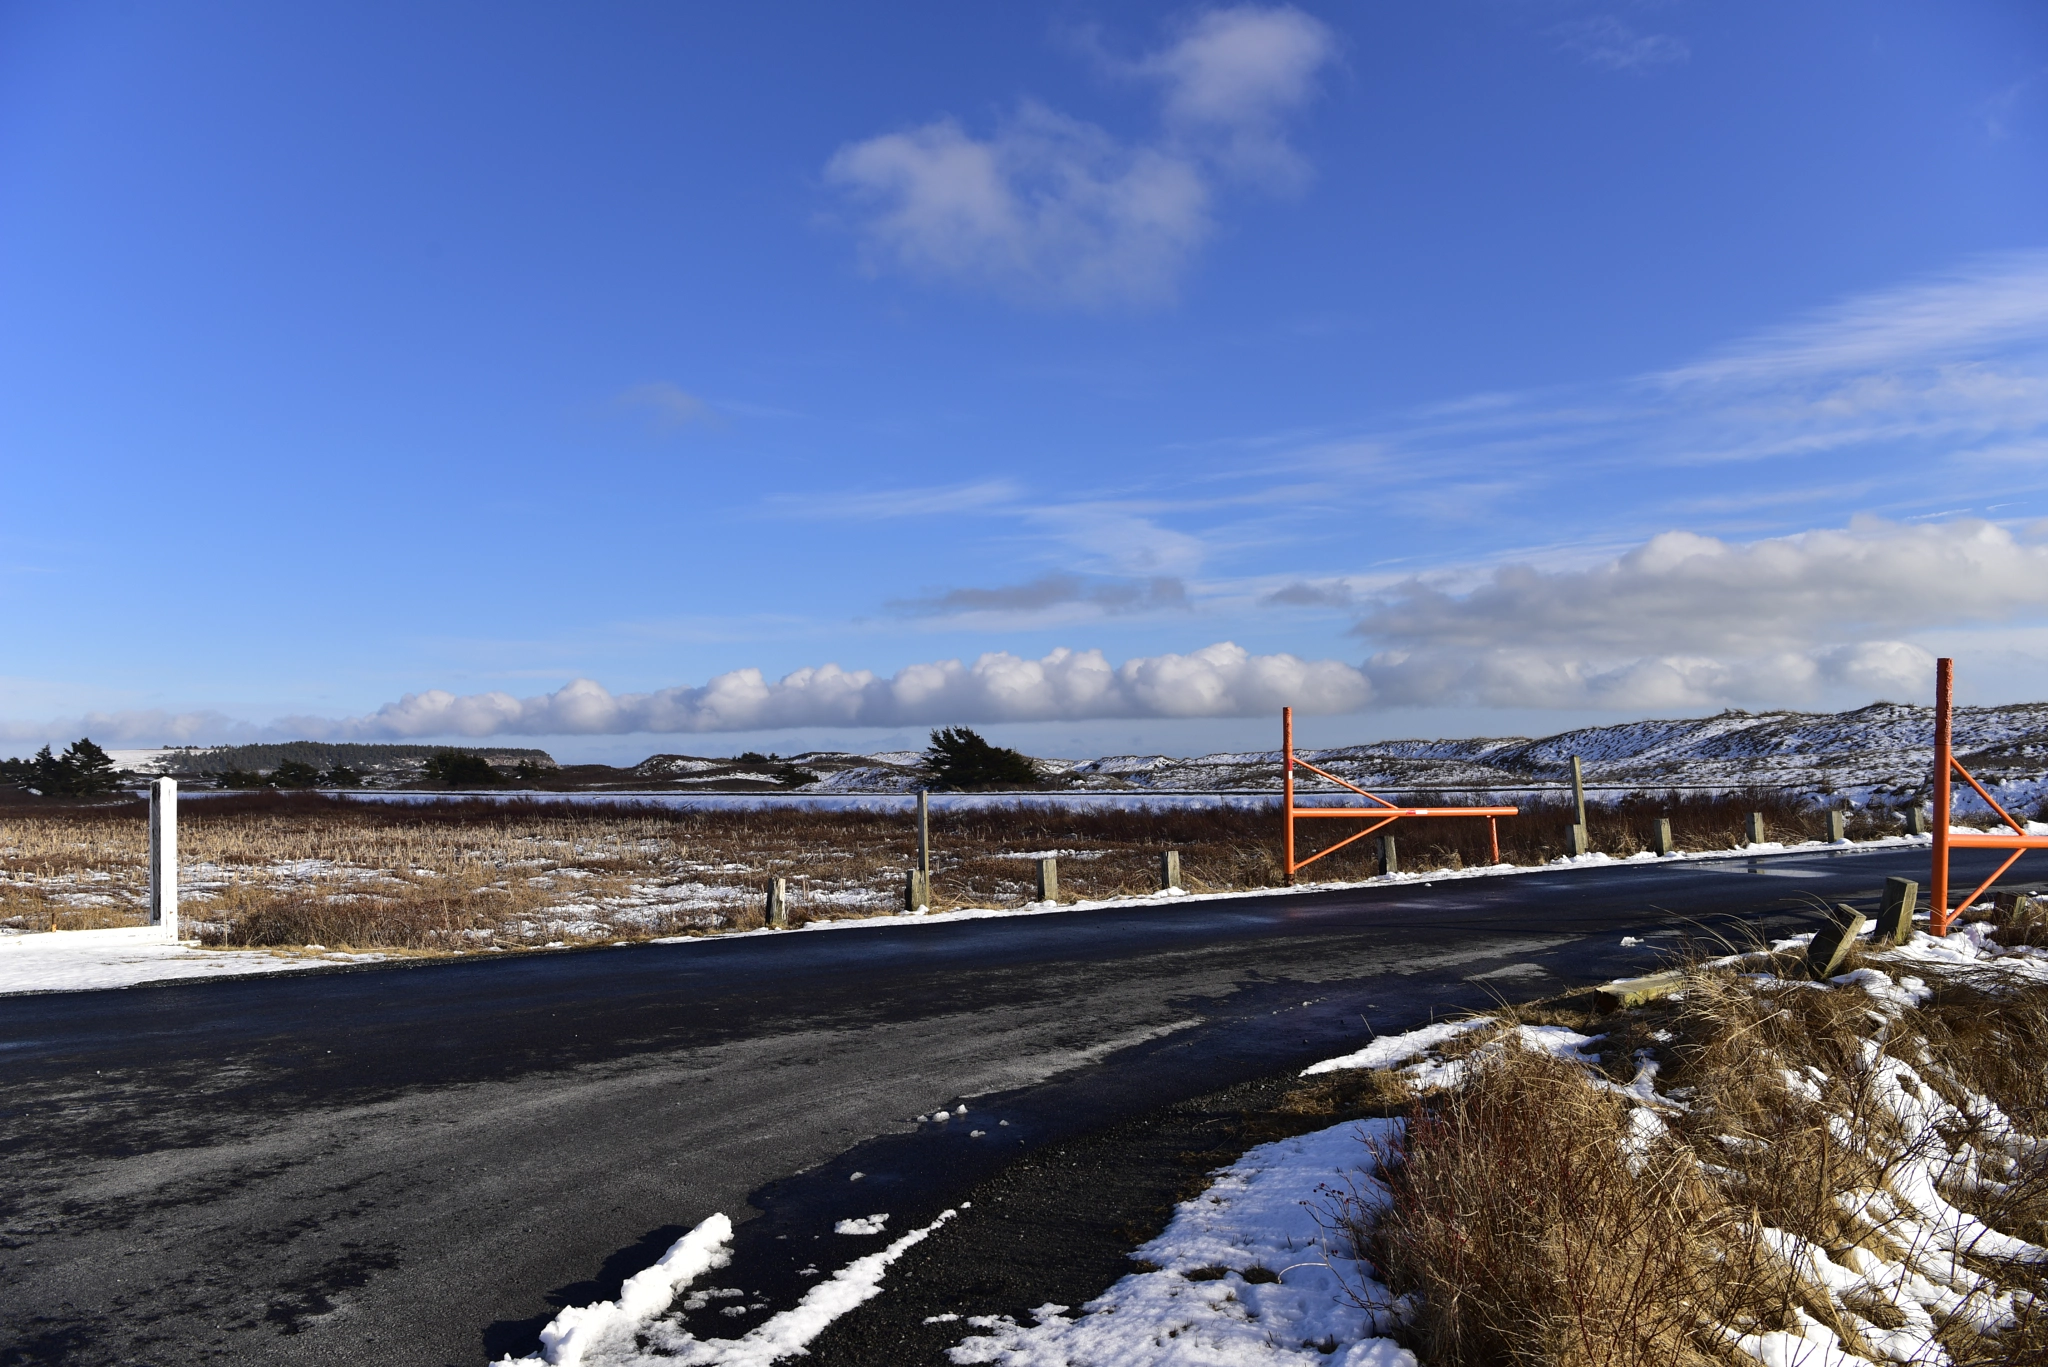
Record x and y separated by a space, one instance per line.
83 770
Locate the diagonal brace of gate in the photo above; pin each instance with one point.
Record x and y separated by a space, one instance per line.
1946 767
1381 814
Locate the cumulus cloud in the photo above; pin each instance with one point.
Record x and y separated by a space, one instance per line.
1689 621
1051 591
1054 210
1222 680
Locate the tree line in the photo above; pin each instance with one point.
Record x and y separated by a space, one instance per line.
83 770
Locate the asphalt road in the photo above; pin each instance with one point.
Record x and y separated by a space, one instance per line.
420 1163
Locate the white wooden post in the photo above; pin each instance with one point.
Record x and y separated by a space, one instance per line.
1049 880
163 855
776 914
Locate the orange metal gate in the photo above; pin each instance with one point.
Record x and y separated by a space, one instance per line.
1946 766
1380 815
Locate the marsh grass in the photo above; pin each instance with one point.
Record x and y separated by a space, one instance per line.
1535 1219
276 869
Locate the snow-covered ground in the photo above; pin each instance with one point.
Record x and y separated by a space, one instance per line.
1882 751
83 960
1250 1273
1885 750
83 963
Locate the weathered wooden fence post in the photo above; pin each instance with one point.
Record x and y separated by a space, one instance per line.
1838 826
1895 910
924 832
1049 880
1757 834
1169 870
1390 859
1578 838
776 914
1832 942
163 855
917 885
1665 844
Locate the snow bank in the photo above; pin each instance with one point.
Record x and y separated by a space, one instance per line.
87 960
1304 1301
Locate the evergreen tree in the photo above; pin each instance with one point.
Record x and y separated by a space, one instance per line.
91 769
453 769
959 758
292 773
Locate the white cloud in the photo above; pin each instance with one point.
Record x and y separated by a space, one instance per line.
1057 211
1222 680
1686 621
1234 77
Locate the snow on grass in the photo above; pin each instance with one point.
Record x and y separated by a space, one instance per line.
1254 1271
1246 1276
636 1331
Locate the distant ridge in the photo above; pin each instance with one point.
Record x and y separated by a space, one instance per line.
261 759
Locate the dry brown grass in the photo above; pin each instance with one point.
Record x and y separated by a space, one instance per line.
288 869
1534 1224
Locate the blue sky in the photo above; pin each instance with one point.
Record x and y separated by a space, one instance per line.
659 377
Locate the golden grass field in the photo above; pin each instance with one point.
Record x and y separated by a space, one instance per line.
292 869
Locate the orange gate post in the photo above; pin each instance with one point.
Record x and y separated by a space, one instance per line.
1946 766
1384 813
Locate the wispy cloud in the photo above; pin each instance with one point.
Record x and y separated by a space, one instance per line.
869 505
1606 41
1302 594
1050 591
668 407
1988 302
1055 211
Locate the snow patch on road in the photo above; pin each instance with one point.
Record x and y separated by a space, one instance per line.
636 1331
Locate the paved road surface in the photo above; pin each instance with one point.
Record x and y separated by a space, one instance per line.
417 1164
